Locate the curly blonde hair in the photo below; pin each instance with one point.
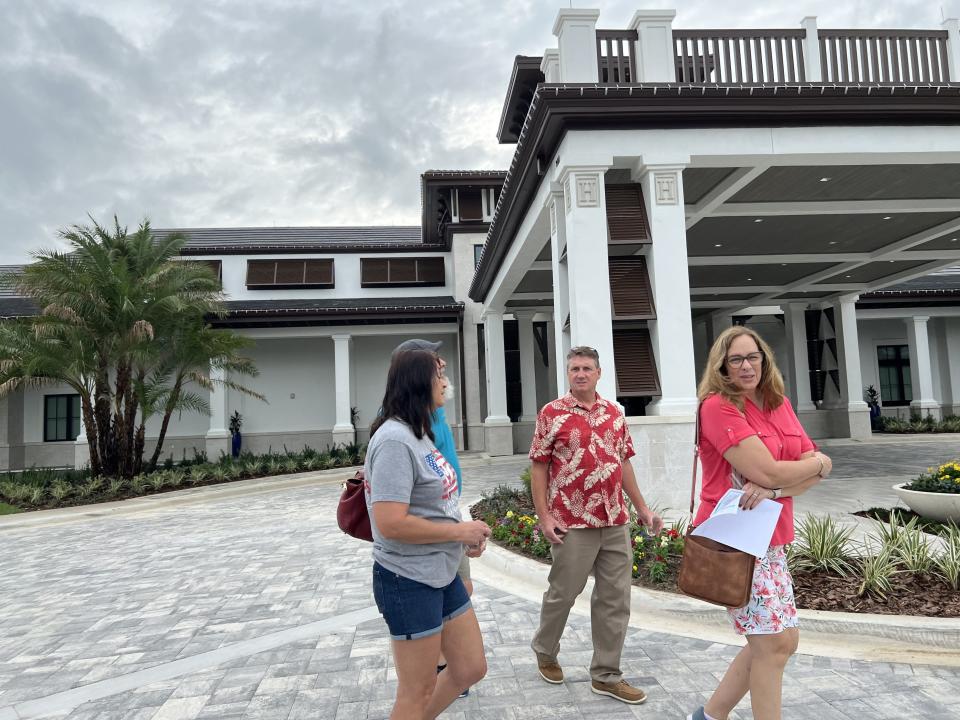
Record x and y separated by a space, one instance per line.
716 381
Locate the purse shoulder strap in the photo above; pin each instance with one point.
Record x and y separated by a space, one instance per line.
696 456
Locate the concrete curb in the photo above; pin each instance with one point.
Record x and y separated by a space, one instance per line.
890 638
173 498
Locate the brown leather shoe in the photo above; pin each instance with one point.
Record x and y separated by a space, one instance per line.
622 691
550 670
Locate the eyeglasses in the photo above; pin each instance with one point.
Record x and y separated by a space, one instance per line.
735 361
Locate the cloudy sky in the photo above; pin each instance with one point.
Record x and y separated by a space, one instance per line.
283 112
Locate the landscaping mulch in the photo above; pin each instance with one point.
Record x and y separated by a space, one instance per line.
911 595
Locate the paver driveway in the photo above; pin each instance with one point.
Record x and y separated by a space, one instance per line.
257 607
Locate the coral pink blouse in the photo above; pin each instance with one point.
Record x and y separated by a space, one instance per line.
723 426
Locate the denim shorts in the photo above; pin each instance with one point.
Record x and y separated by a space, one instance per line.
414 610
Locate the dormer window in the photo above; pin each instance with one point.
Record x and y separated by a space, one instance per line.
472 204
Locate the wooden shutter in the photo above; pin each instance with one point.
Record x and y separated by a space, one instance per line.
319 272
471 207
630 295
430 271
626 214
374 271
636 366
260 272
403 270
290 272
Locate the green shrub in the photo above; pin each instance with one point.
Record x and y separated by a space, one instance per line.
947 562
877 570
526 479
822 545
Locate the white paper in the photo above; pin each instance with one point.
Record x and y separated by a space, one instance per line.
746 530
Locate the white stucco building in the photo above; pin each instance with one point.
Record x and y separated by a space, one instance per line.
665 184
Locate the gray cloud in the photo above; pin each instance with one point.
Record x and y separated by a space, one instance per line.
278 113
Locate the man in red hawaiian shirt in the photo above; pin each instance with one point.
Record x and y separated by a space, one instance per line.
581 469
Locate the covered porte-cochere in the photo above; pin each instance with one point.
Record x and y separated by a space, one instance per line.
641 218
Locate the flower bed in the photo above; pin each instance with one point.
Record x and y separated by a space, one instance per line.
897 571
942 479
42 489
509 512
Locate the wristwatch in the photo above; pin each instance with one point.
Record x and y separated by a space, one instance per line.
776 493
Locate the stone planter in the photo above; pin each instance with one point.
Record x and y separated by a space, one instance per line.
935 506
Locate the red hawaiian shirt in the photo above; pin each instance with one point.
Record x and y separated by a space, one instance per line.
586 449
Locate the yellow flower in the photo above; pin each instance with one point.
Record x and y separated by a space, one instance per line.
509 513
634 568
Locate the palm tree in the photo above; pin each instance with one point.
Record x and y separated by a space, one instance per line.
114 311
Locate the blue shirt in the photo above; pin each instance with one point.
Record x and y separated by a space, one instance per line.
443 439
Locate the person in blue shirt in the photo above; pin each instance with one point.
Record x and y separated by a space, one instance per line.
443 439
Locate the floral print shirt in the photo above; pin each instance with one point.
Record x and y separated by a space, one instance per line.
585 449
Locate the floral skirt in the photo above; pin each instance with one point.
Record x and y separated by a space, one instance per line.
772 608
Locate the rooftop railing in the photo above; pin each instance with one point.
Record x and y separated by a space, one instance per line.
895 56
768 57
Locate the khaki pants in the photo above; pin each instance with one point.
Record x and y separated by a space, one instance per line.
606 552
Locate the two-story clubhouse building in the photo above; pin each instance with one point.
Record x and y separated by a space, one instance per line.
665 184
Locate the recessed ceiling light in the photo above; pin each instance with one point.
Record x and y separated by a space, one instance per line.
783 264
758 220
824 179
748 279
718 245
848 276
888 217
833 242
953 239
891 261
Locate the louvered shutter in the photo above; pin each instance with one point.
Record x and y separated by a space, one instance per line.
636 366
626 214
630 295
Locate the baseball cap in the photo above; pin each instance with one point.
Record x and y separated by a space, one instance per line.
417 344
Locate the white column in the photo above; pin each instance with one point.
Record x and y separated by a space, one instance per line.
81 447
952 335
857 421
217 439
552 358
656 57
550 65
561 288
921 374
343 430
798 366
672 331
811 49
952 26
528 368
498 430
588 271
576 32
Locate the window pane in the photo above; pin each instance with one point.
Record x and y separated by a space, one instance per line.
51 431
74 416
61 428
290 272
260 272
477 250
373 271
320 272
403 270
430 270
885 352
61 408
889 387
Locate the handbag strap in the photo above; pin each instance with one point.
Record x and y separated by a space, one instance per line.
696 456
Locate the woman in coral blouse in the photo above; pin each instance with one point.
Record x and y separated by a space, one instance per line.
750 436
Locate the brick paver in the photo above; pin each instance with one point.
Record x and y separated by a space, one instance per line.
98 599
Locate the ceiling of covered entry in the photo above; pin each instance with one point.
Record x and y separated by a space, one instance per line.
760 235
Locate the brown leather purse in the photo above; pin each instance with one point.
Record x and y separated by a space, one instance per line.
352 515
709 570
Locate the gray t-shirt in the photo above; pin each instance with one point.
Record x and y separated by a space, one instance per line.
400 468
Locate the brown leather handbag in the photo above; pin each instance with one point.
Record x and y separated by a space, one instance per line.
352 515
709 570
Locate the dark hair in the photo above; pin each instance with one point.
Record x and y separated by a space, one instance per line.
409 393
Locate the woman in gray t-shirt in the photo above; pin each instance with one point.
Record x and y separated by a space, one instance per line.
418 540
